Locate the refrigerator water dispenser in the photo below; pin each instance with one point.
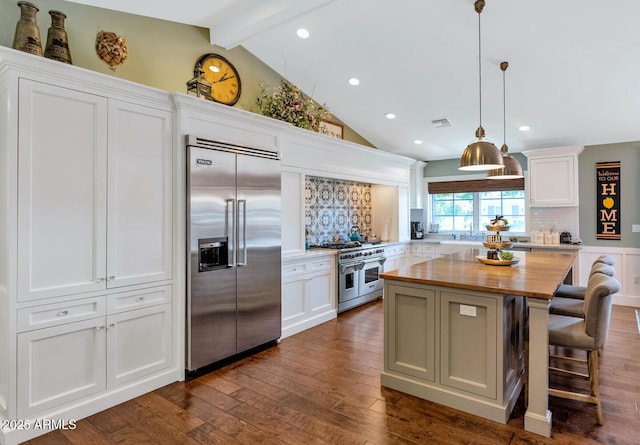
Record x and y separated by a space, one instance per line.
213 253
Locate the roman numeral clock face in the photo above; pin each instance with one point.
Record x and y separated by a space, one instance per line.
223 76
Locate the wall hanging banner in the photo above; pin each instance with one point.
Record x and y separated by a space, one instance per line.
608 196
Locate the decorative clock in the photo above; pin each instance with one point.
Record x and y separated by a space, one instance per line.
223 76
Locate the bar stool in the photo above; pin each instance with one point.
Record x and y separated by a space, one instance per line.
587 334
571 291
570 301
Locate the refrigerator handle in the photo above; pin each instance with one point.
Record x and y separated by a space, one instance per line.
244 261
230 228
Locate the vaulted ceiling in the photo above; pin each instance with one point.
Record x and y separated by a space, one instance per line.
572 76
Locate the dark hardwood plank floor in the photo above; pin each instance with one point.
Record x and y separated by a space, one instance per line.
322 386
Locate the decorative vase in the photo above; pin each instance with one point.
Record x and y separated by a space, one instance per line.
57 47
27 36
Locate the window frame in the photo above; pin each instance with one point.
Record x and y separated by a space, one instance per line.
478 227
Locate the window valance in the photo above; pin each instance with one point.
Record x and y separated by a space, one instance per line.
476 185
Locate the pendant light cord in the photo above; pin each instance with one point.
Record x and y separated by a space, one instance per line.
480 66
504 108
503 66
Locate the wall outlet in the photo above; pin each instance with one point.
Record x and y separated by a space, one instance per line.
635 228
469 311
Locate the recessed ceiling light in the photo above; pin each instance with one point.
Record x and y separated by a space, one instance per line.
390 116
524 128
302 33
354 81
417 142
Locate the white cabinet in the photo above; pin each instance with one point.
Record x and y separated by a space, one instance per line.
138 343
94 191
139 186
308 293
397 256
553 177
293 224
416 184
62 151
421 251
449 247
60 364
87 276
83 349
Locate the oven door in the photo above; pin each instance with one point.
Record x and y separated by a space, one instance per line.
348 281
370 280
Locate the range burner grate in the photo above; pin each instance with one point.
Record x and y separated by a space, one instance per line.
336 245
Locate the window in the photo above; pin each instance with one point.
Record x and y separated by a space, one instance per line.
472 211
453 211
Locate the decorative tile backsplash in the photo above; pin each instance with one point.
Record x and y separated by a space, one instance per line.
333 206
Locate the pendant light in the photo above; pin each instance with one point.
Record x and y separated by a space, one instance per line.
480 155
512 168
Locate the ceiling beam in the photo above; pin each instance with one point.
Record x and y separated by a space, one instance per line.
245 19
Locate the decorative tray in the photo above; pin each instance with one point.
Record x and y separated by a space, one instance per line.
485 260
503 245
497 228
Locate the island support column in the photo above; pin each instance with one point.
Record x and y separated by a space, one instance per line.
537 419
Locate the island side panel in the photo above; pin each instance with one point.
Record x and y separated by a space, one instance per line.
468 357
428 343
410 346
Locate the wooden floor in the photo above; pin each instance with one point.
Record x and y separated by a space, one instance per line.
323 386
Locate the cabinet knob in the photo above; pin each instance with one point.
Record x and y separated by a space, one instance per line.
100 280
111 277
62 313
139 299
111 325
100 328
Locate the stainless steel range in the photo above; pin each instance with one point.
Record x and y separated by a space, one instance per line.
359 270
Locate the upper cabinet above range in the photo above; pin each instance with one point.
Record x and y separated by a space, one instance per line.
553 176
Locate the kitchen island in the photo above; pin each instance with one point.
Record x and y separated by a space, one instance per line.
454 331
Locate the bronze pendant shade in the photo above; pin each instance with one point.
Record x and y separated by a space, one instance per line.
480 154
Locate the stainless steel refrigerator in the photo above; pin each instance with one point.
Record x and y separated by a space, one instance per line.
234 239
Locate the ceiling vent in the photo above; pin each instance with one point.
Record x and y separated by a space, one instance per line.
441 123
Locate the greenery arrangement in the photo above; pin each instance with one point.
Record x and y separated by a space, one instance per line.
287 103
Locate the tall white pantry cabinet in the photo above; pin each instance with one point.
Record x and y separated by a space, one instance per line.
87 304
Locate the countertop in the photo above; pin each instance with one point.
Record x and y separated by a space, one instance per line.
537 275
515 245
309 254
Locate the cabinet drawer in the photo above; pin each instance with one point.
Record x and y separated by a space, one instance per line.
45 316
428 250
137 299
416 249
325 264
294 268
394 250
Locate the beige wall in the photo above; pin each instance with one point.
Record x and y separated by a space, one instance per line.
161 54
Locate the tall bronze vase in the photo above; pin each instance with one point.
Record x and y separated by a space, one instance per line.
57 47
27 37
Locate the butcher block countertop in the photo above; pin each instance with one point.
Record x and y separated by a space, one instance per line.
537 275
